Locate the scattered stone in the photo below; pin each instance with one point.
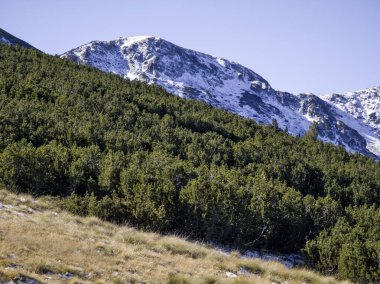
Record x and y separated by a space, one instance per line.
11 255
230 274
66 275
47 272
243 271
17 213
23 280
5 206
31 211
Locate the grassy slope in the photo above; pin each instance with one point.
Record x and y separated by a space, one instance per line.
40 241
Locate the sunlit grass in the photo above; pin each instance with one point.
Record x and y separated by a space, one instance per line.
40 242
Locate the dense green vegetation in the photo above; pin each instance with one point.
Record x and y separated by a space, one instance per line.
129 152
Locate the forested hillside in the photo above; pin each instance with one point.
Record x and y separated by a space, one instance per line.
131 153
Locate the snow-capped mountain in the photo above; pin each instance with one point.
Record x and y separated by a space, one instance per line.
9 39
351 120
361 108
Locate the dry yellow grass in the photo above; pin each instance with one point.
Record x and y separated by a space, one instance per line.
41 242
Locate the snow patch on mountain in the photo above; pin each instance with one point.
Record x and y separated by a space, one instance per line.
361 111
362 105
4 40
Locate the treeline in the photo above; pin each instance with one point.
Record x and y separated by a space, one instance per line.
132 153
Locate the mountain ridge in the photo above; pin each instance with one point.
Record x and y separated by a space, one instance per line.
231 86
10 39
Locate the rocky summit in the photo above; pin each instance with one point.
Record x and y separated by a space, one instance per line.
351 120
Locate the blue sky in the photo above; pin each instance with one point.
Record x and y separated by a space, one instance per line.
319 46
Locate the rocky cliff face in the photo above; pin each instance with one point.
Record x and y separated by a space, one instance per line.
351 120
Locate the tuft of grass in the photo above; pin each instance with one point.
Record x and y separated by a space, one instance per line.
136 239
178 279
118 280
11 276
210 280
44 268
107 251
245 281
236 254
175 246
252 267
7 276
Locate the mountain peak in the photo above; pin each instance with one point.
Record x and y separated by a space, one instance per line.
138 39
